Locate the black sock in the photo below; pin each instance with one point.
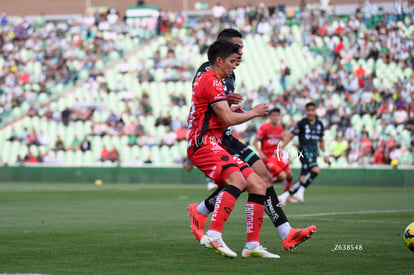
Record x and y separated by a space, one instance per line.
273 209
211 200
233 190
309 179
295 187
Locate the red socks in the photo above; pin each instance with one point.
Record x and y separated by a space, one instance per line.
254 212
288 184
254 217
224 205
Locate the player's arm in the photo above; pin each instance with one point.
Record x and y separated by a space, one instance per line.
188 166
289 135
234 98
229 118
237 109
286 138
284 134
325 153
257 144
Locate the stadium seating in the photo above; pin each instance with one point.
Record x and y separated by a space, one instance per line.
260 65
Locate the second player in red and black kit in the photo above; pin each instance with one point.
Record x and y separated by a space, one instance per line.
266 142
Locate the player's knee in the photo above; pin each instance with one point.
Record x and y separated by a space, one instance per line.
260 187
260 169
281 176
289 175
267 179
242 185
256 185
316 169
237 180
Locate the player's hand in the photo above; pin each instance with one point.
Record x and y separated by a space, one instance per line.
327 161
261 109
237 109
234 98
281 154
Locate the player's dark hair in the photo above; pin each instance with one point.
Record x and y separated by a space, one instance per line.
310 104
229 33
222 49
274 110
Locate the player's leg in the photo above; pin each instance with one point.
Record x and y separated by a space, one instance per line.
283 175
312 171
290 237
307 180
276 169
254 218
225 170
199 212
254 212
270 167
224 206
288 182
295 187
289 178
272 206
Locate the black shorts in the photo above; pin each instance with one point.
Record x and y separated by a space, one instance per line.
239 149
308 161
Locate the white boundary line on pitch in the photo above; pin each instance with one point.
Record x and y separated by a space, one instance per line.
352 213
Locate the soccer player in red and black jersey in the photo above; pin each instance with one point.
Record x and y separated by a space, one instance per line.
199 212
266 143
209 116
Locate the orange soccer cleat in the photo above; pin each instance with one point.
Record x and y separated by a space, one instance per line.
298 236
198 221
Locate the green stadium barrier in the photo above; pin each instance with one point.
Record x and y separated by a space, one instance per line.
106 174
343 177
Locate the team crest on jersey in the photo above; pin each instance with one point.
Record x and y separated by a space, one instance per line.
225 158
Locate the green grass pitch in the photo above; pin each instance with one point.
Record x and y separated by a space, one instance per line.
144 229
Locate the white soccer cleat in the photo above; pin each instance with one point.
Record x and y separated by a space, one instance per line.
218 245
299 197
282 201
292 200
204 241
283 198
258 252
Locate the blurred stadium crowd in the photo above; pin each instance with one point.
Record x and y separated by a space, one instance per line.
101 90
